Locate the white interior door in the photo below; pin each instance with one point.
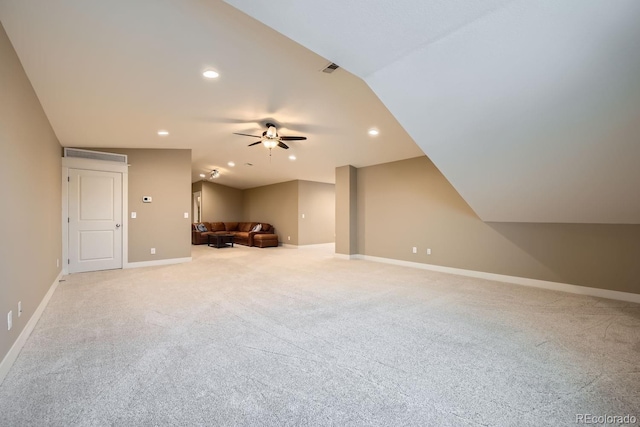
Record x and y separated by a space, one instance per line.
95 220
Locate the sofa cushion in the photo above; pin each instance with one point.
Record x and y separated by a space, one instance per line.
266 228
201 227
246 226
218 226
231 226
265 240
257 228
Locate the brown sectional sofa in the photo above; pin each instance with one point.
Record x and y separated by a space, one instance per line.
241 231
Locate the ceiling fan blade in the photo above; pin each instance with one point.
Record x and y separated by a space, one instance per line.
246 134
255 143
283 145
293 138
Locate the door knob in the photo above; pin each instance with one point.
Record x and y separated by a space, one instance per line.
117 225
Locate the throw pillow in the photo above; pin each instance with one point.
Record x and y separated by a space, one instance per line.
257 227
202 227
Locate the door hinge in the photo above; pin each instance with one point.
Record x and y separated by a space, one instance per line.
68 179
68 261
68 219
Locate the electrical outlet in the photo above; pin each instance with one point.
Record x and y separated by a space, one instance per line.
19 308
302 216
429 251
153 251
133 215
288 237
415 250
9 320
186 214
58 262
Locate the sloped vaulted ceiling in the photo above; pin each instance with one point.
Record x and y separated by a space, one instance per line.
531 109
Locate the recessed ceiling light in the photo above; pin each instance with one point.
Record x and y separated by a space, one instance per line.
292 157
202 175
210 74
163 132
373 132
231 164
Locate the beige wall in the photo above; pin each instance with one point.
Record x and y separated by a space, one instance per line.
220 203
346 210
317 202
410 203
30 190
281 205
165 175
277 205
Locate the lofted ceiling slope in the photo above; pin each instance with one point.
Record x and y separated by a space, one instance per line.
530 109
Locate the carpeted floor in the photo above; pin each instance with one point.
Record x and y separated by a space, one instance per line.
288 337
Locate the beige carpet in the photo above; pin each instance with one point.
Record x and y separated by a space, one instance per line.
280 336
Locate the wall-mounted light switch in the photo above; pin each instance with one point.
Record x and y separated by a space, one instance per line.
186 214
133 214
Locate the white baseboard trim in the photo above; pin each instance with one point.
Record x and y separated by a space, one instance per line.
346 256
13 353
544 284
330 245
169 261
313 246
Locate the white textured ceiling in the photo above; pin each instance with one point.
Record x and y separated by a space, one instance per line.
531 109
366 35
113 73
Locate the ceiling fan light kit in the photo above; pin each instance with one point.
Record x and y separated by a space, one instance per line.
269 143
270 138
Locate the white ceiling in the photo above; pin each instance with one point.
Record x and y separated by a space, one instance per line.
113 73
531 109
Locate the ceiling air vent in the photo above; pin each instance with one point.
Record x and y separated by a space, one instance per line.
330 68
95 155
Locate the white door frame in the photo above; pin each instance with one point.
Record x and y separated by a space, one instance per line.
96 165
195 217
